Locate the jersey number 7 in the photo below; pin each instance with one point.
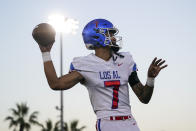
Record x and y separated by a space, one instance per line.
115 84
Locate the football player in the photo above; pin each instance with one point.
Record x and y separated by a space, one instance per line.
106 74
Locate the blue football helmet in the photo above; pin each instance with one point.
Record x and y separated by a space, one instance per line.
97 33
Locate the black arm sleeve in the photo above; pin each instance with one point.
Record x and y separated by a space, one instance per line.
133 79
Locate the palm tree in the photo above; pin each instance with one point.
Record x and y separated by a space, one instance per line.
74 124
19 118
50 127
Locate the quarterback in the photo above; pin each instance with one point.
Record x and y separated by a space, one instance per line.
106 75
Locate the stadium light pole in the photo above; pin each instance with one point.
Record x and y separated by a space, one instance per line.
67 26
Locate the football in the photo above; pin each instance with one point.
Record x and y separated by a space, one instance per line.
44 34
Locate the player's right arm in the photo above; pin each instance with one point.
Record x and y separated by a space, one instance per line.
44 35
62 83
58 83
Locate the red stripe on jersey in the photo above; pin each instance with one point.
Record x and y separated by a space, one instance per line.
112 83
115 92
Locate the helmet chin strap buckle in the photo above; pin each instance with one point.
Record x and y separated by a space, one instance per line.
115 48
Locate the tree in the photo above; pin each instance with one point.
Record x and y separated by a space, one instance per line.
19 117
74 124
50 127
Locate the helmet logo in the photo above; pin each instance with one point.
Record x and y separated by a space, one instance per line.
96 23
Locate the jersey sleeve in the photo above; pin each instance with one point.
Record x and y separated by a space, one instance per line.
85 66
83 63
71 68
76 64
132 66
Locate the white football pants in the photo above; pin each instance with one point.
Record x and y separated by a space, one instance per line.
117 125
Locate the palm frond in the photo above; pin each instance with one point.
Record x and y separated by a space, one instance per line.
65 126
9 118
83 127
74 124
12 121
18 109
24 109
27 126
49 125
57 126
14 112
40 125
33 118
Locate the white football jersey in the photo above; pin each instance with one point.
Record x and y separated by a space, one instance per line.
107 82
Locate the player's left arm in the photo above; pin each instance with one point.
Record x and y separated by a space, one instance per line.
144 92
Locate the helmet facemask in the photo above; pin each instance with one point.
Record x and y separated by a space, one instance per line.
111 38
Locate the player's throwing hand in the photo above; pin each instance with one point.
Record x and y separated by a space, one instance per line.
46 48
44 35
155 67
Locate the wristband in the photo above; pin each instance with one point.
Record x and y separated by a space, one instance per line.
46 56
150 81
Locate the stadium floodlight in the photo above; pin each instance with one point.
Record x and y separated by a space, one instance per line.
62 24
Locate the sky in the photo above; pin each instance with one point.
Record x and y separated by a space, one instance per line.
150 28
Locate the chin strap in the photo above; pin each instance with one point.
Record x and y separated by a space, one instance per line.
115 48
116 53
